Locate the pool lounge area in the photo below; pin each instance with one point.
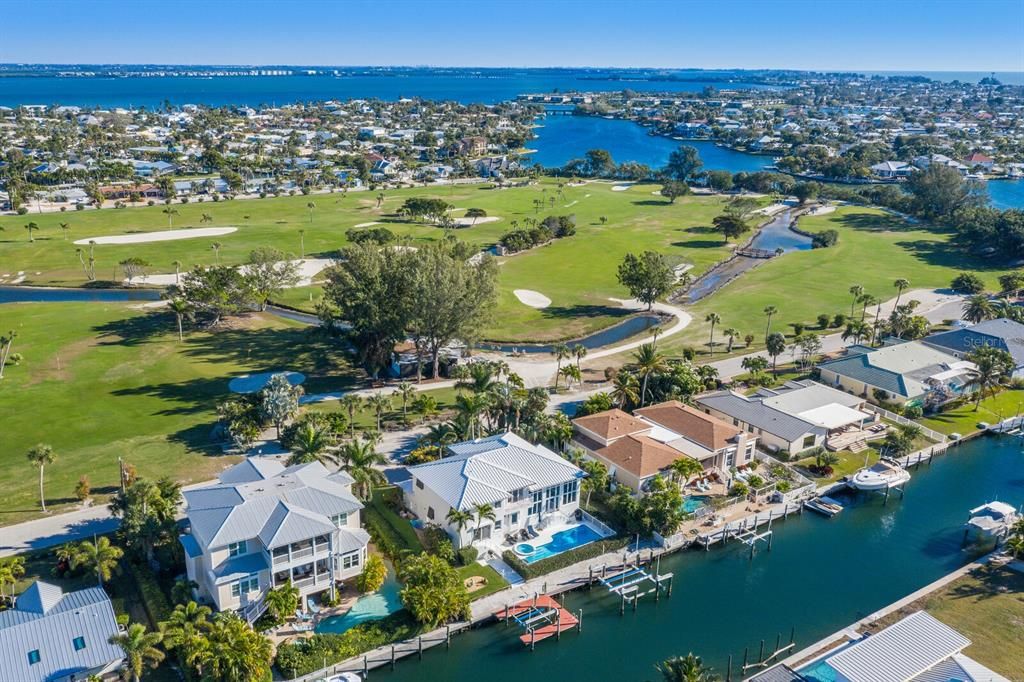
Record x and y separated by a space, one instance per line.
557 539
692 503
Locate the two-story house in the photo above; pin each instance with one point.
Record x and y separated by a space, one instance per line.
636 448
263 525
523 483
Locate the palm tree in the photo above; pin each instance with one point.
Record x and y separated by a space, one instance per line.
380 404
177 272
351 403
856 330
991 365
64 228
713 318
648 361
477 377
182 309
41 455
580 352
236 653
770 311
99 556
978 308
1016 546
856 291
282 601
405 392
482 512
471 407
32 227
687 668
171 212
12 569
901 284
216 251
310 442
206 218
185 630
731 333
571 373
776 346
139 649
360 459
302 243
460 519
561 352
866 300
686 468
624 390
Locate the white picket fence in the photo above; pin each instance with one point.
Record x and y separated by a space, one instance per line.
900 419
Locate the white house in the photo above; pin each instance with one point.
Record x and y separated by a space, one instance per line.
263 525
525 484
892 169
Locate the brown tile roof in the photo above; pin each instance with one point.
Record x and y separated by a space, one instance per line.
711 432
640 455
611 424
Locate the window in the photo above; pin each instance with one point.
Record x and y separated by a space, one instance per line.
339 520
570 492
33 657
236 548
518 494
79 643
730 458
513 518
497 525
245 586
497 505
350 560
419 484
808 442
430 513
538 497
551 498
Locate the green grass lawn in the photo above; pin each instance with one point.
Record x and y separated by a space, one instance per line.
366 418
494 580
849 462
987 607
964 419
874 250
577 273
101 381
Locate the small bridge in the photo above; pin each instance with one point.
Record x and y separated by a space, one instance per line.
755 253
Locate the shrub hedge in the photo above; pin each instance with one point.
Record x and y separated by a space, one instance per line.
154 600
392 534
545 566
305 656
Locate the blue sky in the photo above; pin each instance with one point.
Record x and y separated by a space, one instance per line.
939 35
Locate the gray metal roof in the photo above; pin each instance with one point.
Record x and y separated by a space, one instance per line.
778 673
295 503
900 652
859 368
251 469
1002 333
753 411
86 613
486 470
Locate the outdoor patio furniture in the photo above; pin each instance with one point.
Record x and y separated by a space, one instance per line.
301 616
314 609
303 627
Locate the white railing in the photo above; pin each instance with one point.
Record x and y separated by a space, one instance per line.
592 520
900 419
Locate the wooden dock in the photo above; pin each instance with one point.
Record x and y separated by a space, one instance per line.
541 617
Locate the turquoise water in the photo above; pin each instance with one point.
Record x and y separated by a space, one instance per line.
564 138
1006 194
375 606
694 502
819 672
821 575
563 541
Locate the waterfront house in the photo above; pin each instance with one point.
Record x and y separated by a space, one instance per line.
638 447
917 648
792 418
890 170
524 484
263 524
1003 334
53 636
979 160
907 373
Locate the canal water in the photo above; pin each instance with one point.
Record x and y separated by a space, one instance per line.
772 237
563 138
605 337
820 575
1006 194
56 295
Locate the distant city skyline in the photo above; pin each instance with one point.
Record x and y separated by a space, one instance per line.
823 35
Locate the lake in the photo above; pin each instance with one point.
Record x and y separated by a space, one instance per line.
563 138
57 295
820 575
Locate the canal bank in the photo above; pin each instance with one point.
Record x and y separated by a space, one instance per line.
820 575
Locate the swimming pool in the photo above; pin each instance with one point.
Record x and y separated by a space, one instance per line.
694 502
563 541
819 671
373 606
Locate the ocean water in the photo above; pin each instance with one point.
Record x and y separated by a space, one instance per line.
563 138
1006 193
467 86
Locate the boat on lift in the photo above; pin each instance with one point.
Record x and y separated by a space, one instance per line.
882 475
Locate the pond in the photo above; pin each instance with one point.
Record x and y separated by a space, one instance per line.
21 294
820 575
605 337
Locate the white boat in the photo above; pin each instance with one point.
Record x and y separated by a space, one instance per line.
993 519
882 475
344 677
824 505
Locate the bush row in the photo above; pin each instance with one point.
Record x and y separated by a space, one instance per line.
154 600
305 656
545 566
385 501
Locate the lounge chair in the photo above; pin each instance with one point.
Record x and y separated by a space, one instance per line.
303 627
532 533
314 609
300 615
523 535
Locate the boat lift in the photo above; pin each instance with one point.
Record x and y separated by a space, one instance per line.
752 537
540 617
633 582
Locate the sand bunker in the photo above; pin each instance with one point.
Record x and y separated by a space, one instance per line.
162 236
309 268
621 188
534 299
367 224
469 222
252 383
